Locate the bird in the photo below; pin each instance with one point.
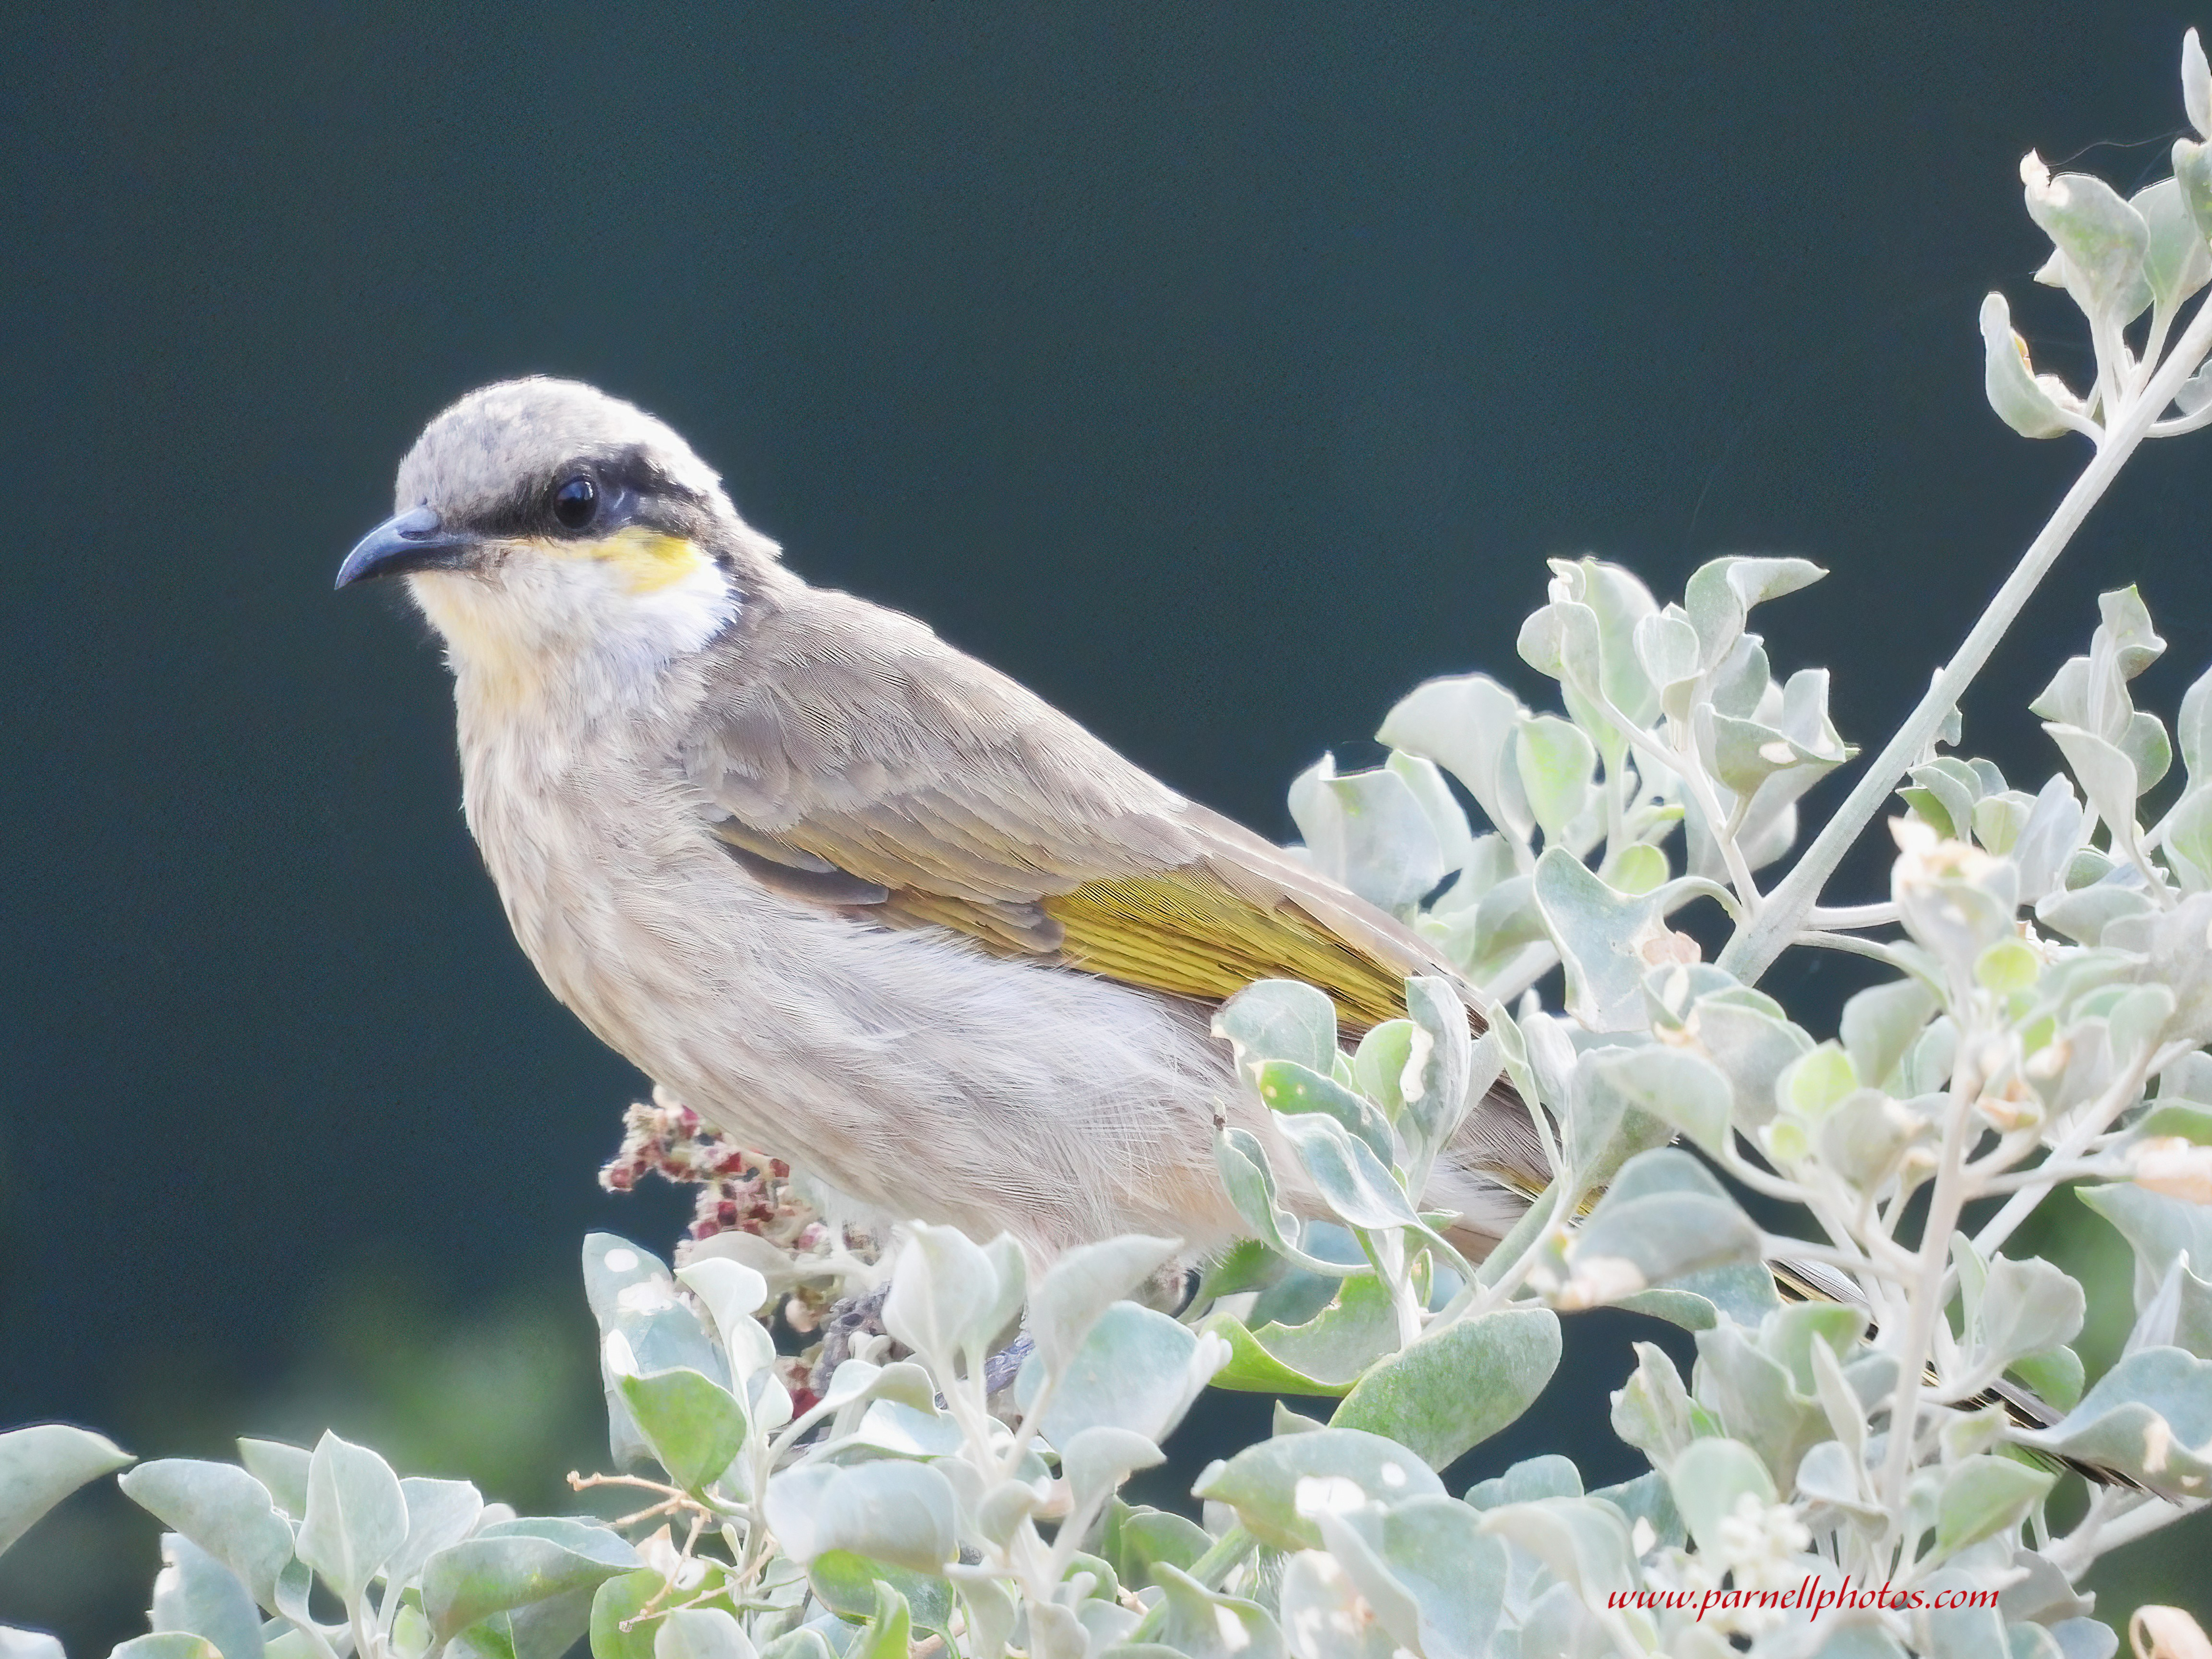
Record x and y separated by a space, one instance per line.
865 904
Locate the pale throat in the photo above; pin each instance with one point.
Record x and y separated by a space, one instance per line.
594 622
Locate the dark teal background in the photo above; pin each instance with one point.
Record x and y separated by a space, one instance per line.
1221 371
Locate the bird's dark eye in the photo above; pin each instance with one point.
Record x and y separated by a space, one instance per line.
576 502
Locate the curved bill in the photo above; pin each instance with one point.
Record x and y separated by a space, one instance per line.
413 540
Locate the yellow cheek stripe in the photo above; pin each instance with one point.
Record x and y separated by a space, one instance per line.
648 559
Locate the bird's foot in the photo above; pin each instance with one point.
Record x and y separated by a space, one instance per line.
852 1321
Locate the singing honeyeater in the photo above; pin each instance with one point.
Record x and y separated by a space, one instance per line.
863 902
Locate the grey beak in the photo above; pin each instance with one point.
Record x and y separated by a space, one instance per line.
413 540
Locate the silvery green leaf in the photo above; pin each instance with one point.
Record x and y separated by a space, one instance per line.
1290 1089
283 1468
1355 1184
1621 603
173 1645
1319 816
1135 1540
1984 1496
1742 685
2034 405
1793 1333
2045 1594
2054 829
2192 730
2179 1315
1505 920
1667 649
943 1294
1631 1246
544 1629
693 1424
732 1293
1392 854
1721 592
439 1513
1322 1353
29 1645
1950 1626
644 1326
1652 1410
2149 1417
2188 838
2179 944
1443 1072
1138 1371
1881 1023
1528 1481
1707 1478
1944 792
195 1594
356 1516
1583 1540
1551 1057
804 1643
2084 1639
906 1430
889 1512
1454 840
1744 1034
223 1509
1601 936
2196 85
1089 1279
1557 762
1325 1616
1867 1135
1197 1623
1098 1459
1278 1019
512 1564
1250 1182
2105 241
1278 1487
1604 1126
1454 1387
2126 624
1466 725
1433 1552
711 1633
1828 1475
1752 1394
1743 754
1681 1089
2066 699
2145 745
45 1463
2160 1230
2176 263
2027 1306
1999 817
2192 170
2084 914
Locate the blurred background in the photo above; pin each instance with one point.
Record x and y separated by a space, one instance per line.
1221 371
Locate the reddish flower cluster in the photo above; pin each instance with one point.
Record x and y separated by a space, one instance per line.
740 1190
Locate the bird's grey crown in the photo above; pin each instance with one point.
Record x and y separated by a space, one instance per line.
504 444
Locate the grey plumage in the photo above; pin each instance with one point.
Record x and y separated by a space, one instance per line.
859 900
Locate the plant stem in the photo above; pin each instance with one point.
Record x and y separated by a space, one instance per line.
1762 938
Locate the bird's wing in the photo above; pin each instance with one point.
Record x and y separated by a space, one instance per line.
851 757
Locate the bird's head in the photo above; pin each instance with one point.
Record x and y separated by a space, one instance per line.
542 523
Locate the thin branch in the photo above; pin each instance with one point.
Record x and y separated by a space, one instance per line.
1751 951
